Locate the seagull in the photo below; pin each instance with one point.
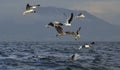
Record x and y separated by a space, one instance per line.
56 23
61 32
30 9
74 56
86 45
58 28
80 15
75 34
69 20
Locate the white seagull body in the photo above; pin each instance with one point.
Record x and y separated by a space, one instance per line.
30 9
80 15
86 45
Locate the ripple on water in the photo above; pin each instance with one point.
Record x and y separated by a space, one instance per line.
56 56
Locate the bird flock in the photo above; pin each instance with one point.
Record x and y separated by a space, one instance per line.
58 26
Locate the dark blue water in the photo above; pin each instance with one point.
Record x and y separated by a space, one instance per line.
56 56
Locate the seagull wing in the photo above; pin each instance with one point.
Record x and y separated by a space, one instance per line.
79 14
35 6
28 11
78 30
56 23
71 18
60 24
70 32
59 29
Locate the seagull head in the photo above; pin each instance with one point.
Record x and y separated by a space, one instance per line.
49 25
92 43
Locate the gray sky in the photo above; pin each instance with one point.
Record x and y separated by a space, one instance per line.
107 10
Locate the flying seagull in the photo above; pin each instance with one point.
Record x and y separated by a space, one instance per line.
75 34
58 28
30 9
56 23
80 15
69 20
74 56
86 45
61 32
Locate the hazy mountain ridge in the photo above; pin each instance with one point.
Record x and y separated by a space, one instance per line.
92 26
33 26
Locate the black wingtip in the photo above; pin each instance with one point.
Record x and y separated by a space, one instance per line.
79 28
38 5
71 18
71 13
92 43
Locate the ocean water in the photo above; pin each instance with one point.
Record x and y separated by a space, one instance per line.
56 56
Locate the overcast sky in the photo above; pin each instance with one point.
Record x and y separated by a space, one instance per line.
105 9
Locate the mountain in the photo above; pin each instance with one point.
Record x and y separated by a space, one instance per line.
32 26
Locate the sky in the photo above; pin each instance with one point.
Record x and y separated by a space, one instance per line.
107 10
